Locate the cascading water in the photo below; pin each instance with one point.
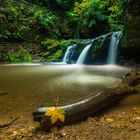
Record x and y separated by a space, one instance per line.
83 54
101 53
113 46
68 54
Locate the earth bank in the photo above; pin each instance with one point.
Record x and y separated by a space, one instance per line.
118 122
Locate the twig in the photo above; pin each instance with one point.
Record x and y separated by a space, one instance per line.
3 93
57 99
9 123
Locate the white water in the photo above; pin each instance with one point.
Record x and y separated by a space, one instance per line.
83 54
113 46
112 51
67 53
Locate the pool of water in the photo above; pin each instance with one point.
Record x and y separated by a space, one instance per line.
26 85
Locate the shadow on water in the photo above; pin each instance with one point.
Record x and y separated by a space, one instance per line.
29 85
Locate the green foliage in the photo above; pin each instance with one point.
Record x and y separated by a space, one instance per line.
51 50
58 19
67 4
3 54
22 22
92 16
66 43
87 14
14 22
22 55
116 17
55 57
45 21
19 54
50 44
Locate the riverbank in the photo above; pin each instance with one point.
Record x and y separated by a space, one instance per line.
118 122
25 87
114 126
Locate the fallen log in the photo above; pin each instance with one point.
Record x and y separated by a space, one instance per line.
93 103
82 109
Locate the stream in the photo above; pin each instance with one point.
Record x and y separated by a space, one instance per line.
25 87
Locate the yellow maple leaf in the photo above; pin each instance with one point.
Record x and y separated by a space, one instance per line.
55 114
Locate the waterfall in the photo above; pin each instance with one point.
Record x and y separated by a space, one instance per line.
83 54
68 54
100 53
113 46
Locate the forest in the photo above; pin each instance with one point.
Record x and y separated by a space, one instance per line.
43 29
69 70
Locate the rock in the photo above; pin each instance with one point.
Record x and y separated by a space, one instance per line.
30 134
15 133
109 120
136 119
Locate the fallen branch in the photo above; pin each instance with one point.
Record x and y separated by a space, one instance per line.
3 93
81 109
89 105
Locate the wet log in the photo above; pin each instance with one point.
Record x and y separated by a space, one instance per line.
81 109
89 105
132 78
